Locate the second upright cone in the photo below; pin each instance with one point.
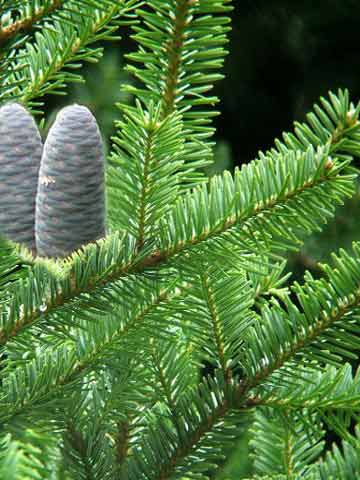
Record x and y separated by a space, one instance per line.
70 204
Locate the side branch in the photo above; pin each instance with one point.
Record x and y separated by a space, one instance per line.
78 443
181 452
324 327
174 52
72 368
216 324
27 23
201 412
324 322
145 189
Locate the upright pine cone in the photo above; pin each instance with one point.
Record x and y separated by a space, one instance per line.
20 156
70 204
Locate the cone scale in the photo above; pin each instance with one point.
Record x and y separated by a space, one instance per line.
70 204
20 156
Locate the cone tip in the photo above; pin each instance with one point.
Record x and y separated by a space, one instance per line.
13 107
76 111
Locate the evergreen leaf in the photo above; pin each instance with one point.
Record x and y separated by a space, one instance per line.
285 443
145 173
342 464
324 327
181 49
266 207
206 424
47 64
215 314
30 455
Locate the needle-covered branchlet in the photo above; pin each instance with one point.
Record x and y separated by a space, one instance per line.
20 156
70 206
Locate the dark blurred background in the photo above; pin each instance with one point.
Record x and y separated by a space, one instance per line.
285 54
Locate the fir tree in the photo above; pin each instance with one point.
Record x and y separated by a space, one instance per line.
102 352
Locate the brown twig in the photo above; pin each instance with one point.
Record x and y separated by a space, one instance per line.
26 24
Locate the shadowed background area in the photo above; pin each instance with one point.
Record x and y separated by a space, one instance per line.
283 56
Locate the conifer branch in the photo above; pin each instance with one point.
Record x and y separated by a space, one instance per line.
215 413
320 391
284 443
155 147
237 223
121 270
317 338
340 462
143 179
78 443
288 452
321 324
143 200
68 39
23 455
174 368
232 221
89 318
181 44
240 391
199 413
122 442
179 454
216 323
89 439
241 399
162 378
180 20
174 49
37 87
27 22
74 363
221 409
121 334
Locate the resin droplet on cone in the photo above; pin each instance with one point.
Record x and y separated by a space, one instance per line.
20 156
70 205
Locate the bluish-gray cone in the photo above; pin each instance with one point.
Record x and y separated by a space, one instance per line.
20 156
70 205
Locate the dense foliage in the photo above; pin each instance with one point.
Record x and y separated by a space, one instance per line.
152 352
